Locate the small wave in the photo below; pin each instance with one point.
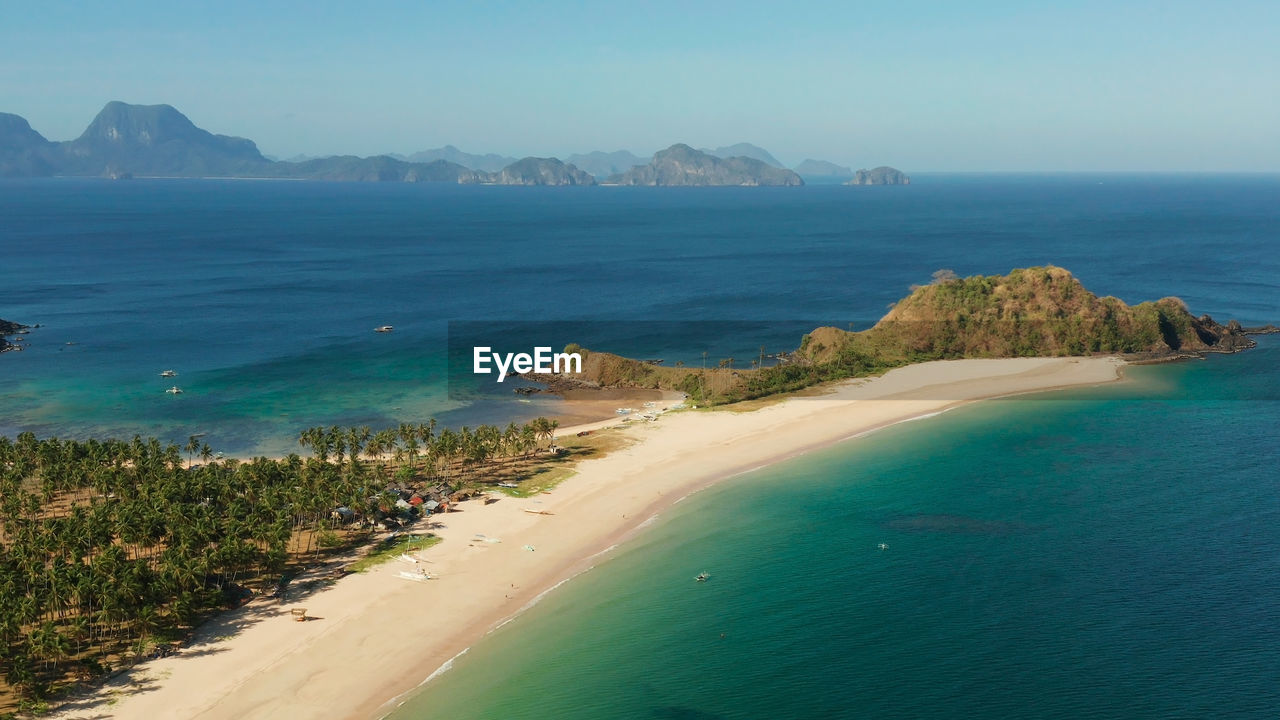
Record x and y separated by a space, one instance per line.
913 418
404 697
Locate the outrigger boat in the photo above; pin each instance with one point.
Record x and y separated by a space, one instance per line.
175 390
384 328
702 576
169 373
419 576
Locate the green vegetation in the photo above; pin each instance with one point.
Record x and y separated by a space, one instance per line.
388 550
1033 312
107 547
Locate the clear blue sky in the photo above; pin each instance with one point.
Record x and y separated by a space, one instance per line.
978 85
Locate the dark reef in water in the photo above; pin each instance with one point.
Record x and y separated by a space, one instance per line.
10 328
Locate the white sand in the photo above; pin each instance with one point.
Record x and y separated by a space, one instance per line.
377 636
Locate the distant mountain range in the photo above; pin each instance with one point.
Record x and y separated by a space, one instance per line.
823 169
681 165
746 150
605 164
156 140
488 162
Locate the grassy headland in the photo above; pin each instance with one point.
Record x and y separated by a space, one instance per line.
1032 312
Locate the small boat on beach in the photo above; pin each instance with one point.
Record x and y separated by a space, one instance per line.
418 576
702 576
175 390
169 373
384 328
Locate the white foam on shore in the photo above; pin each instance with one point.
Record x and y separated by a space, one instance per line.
448 665
399 700
402 698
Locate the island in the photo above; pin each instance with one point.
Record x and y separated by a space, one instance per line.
101 577
882 175
541 171
1031 312
682 166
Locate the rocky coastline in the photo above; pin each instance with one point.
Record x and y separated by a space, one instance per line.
8 328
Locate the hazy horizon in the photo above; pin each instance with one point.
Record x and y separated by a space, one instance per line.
926 87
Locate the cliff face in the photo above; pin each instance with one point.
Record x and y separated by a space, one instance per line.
23 151
882 175
155 140
681 165
541 171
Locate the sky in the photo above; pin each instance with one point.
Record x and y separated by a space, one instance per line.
983 85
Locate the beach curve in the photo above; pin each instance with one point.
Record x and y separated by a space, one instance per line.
377 637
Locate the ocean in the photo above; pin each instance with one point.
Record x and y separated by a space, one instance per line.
1105 553
1101 553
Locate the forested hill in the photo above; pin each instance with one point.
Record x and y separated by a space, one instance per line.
1032 312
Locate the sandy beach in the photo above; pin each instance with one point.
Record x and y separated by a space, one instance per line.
375 636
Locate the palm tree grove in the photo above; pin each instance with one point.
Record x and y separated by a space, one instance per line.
110 550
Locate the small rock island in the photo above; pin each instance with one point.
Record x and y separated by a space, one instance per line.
682 166
883 175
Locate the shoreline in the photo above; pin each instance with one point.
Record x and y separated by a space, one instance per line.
255 662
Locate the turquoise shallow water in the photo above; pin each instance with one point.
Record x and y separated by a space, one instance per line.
264 295
1111 552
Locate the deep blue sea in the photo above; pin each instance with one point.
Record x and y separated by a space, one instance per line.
1104 553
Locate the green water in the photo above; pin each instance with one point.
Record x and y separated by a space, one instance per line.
1112 552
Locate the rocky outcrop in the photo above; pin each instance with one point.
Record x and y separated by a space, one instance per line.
541 171
681 165
882 175
10 328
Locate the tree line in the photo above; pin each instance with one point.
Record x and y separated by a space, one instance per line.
107 547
